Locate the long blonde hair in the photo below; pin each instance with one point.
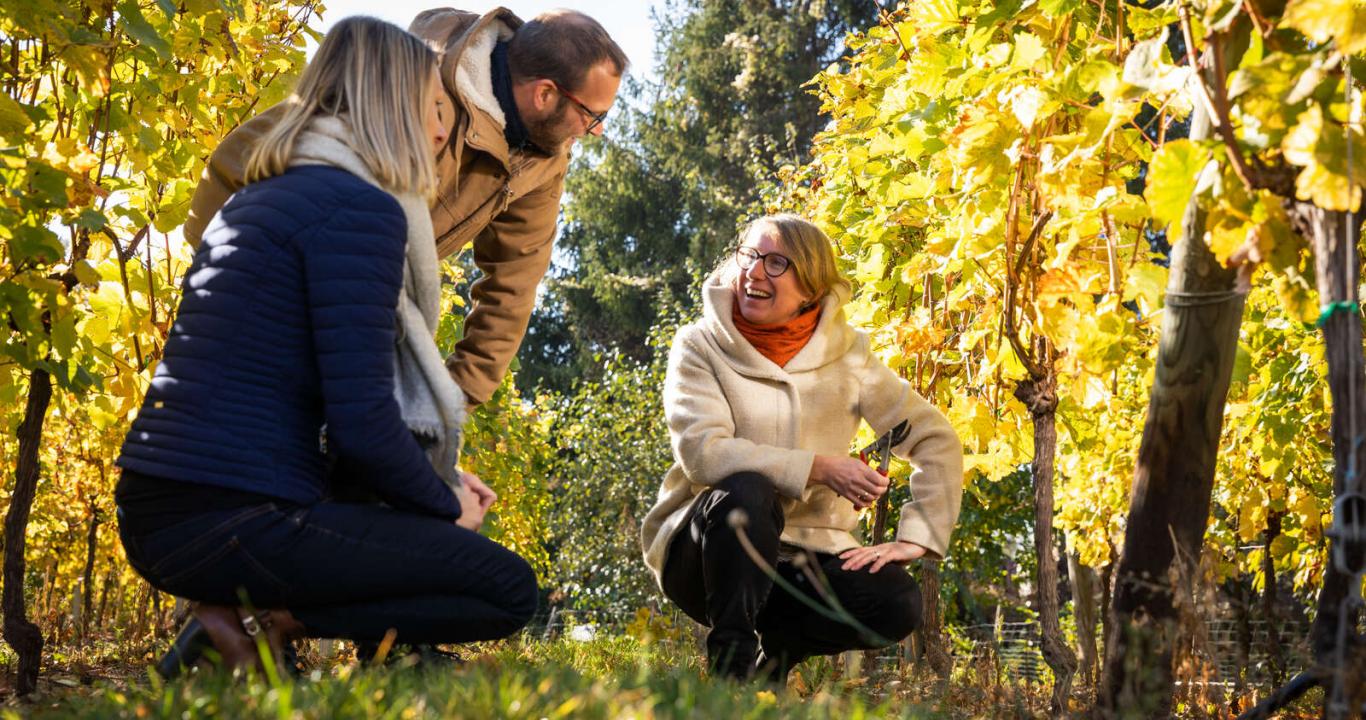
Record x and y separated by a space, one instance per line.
376 78
810 250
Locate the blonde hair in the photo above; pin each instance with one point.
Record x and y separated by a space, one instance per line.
376 78
810 250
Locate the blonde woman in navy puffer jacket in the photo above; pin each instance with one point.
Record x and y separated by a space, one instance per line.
287 339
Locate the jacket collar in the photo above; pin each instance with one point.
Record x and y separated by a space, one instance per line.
829 342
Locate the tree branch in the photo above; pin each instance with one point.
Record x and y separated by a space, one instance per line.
1216 105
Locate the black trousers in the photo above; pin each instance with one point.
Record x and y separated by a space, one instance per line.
343 570
710 576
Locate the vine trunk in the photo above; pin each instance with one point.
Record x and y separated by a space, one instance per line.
1041 397
20 633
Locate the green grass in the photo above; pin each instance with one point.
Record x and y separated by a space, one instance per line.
616 677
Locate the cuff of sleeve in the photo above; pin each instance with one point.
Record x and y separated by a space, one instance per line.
796 471
915 527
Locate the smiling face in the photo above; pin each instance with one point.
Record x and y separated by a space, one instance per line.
765 300
553 120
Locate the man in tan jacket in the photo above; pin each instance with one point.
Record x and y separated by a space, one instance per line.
520 94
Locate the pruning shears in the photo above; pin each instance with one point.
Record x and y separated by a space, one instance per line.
880 451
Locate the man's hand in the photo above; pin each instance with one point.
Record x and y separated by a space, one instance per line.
475 499
850 478
898 552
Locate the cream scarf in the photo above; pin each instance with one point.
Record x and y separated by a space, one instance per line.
433 406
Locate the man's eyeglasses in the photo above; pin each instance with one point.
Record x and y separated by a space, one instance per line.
596 118
774 264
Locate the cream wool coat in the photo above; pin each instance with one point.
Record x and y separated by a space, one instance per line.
730 409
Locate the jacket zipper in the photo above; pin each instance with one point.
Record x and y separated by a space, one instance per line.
513 171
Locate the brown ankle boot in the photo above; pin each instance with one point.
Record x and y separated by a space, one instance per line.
278 628
233 645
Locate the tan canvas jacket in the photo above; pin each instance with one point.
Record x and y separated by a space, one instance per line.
730 409
505 202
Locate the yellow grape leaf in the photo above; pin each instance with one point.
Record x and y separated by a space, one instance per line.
1297 299
996 55
96 327
882 144
1026 103
1028 50
1322 20
1283 546
933 17
1307 508
1062 281
13 119
64 335
1225 235
1171 178
980 422
1143 21
1276 243
1146 283
992 465
911 186
1321 149
1251 519
873 265
1095 74
86 273
1149 66
101 412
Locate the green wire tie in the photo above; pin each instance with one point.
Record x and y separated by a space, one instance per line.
1330 308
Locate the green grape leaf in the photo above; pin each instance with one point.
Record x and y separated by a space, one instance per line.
1171 178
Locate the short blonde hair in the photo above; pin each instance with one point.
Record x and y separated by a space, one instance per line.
376 78
810 250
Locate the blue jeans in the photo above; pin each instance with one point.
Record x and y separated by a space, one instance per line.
343 570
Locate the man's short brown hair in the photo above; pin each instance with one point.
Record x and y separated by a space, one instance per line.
562 45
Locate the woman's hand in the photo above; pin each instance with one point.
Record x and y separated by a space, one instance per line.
475 500
898 552
849 478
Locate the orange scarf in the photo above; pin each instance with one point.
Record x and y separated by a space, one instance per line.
780 342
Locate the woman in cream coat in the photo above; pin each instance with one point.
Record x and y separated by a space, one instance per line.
763 396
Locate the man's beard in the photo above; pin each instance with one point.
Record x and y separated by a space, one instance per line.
551 133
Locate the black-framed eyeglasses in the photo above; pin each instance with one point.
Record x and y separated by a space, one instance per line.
774 263
596 118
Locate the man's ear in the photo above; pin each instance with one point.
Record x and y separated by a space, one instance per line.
543 94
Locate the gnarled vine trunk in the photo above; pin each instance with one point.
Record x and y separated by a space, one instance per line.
1040 396
87 604
1275 657
931 632
21 634
1084 597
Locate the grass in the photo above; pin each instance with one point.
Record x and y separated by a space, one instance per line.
608 677
612 677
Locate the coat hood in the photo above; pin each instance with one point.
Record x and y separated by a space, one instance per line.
467 39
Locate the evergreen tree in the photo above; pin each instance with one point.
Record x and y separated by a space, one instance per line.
653 205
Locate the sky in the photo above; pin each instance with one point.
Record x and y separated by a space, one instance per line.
627 21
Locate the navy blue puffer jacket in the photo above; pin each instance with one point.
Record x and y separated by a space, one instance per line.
287 323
